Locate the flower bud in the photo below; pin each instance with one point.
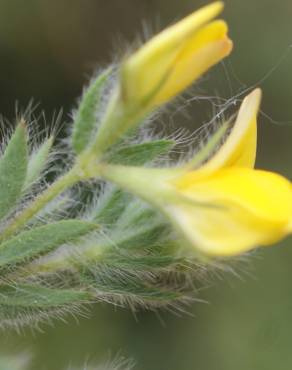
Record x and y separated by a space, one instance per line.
175 58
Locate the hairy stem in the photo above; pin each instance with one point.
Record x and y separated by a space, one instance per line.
63 183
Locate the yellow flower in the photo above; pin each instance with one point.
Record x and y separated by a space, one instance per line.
225 207
247 207
176 57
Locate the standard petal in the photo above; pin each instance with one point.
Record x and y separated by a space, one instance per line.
239 209
240 147
145 72
200 52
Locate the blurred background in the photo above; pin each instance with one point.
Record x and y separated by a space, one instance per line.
48 49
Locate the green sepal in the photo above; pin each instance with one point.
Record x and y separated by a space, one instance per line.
86 116
13 167
37 162
139 154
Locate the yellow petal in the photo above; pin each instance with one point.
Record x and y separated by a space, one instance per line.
145 72
241 209
172 36
200 52
240 146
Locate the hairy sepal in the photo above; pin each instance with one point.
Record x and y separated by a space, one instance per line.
37 162
85 120
13 167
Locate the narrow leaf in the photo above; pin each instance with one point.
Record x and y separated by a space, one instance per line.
41 240
13 166
111 206
37 162
139 154
29 296
141 237
86 115
26 304
135 291
141 263
137 214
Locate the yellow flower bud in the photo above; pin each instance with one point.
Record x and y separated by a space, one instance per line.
175 58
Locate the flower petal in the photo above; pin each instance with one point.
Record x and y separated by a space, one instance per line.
240 147
144 73
200 52
240 209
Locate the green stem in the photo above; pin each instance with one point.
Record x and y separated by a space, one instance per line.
63 183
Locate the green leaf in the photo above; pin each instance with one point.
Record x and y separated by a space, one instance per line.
37 296
41 240
146 236
139 154
37 162
141 263
24 304
86 115
111 206
13 166
134 290
137 214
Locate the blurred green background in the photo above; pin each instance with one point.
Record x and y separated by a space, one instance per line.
48 48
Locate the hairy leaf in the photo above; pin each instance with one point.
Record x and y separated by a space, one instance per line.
37 162
152 233
136 292
37 296
28 304
137 214
41 240
141 263
111 205
13 166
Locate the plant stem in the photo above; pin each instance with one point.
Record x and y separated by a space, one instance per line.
61 184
